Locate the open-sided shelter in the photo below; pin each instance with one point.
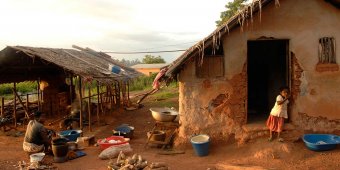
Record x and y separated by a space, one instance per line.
56 71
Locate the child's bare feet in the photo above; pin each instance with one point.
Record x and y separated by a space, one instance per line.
280 139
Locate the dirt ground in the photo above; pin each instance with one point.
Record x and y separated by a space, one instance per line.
256 154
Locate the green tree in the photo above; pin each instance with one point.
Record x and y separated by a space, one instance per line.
149 59
232 8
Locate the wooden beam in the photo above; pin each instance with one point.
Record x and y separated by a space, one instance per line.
89 107
27 103
20 101
2 106
15 105
81 104
71 89
39 98
101 103
98 103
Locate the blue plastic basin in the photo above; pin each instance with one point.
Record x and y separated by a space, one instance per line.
321 142
124 130
71 135
200 143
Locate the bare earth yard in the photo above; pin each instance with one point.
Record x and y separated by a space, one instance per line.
256 154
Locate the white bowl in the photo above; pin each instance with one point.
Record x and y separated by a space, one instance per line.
37 157
163 114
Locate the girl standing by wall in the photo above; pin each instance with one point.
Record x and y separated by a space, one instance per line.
278 114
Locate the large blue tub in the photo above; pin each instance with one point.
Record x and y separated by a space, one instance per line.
321 142
200 143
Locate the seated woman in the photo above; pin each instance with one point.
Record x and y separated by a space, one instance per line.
37 137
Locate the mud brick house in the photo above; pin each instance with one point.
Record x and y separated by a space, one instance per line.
230 79
148 69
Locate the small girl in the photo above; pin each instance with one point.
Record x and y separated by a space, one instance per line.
278 114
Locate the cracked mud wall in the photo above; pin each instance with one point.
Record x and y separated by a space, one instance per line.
211 106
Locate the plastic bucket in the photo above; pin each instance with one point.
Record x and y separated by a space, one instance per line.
37 157
114 69
200 143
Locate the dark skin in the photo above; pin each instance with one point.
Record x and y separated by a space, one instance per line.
44 135
285 94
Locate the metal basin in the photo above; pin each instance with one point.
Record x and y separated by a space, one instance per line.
163 114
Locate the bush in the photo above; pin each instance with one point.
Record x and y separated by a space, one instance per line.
6 89
142 83
23 87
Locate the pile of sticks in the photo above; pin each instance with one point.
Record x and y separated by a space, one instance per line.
136 162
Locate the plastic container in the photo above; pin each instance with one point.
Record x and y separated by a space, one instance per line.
114 69
71 135
321 142
124 130
200 143
37 157
60 149
105 143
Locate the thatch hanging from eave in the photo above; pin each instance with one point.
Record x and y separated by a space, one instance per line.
89 65
214 38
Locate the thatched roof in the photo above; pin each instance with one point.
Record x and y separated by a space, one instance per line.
213 40
21 63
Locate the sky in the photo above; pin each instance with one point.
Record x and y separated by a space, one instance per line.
109 25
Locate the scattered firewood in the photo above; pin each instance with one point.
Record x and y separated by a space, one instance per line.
136 162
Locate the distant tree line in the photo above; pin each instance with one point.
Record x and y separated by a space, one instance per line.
231 10
148 59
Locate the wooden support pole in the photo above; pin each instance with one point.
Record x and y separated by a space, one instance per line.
27 102
2 106
118 97
128 91
98 103
89 107
71 89
111 99
20 101
81 104
15 105
101 103
38 91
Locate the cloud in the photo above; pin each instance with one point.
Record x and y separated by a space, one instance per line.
111 25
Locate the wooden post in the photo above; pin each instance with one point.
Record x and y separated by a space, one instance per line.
101 103
71 89
128 91
27 103
98 103
81 104
111 99
89 107
117 89
2 106
15 105
20 101
38 91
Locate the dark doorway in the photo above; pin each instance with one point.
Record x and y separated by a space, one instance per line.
267 72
